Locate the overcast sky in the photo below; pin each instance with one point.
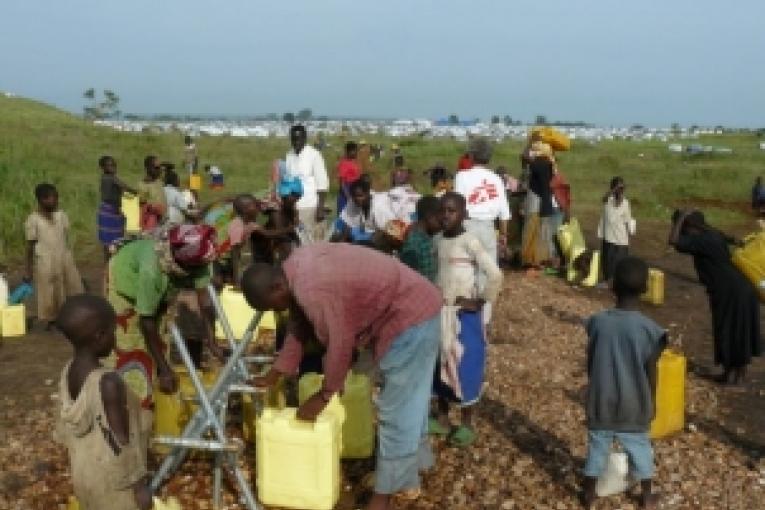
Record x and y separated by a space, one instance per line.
605 61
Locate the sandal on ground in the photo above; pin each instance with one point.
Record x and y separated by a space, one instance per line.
462 437
436 428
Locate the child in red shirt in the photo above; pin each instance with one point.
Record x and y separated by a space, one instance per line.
348 171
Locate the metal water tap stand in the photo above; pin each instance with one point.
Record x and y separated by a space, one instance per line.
211 414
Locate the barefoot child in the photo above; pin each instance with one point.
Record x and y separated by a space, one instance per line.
419 250
100 421
111 222
624 346
461 257
49 261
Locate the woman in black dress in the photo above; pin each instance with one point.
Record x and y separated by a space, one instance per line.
732 298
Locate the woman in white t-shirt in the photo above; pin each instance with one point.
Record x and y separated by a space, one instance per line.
615 227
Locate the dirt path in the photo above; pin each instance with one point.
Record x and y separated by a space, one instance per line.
531 423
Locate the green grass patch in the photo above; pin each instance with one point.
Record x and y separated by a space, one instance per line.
41 143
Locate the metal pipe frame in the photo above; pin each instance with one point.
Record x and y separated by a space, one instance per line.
234 373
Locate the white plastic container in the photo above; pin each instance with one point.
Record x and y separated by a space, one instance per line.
3 291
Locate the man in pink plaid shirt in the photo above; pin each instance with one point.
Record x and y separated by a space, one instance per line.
351 297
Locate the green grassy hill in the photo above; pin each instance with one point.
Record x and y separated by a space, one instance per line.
41 143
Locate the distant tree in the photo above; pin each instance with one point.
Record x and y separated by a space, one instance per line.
108 108
637 127
304 114
495 119
507 120
675 128
453 119
541 120
289 117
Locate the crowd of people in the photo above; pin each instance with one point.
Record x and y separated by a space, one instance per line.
410 279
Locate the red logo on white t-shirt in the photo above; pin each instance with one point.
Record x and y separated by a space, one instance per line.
485 192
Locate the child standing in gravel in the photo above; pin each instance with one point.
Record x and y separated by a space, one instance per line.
623 348
100 421
460 373
615 228
419 249
50 263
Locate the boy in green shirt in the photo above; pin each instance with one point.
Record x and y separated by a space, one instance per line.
418 250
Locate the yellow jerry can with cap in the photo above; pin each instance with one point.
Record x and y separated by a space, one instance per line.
239 314
750 260
195 182
566 234
572 245
591 279
131 210
298 463
273 399
670 395
655 292
13 321
356 400
173 411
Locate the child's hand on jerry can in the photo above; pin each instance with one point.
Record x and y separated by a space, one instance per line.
469 305
312 407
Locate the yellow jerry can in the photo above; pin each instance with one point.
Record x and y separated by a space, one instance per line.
173 411
572 243
240 314
273 399
170 504
655 292
13 321
670 395
566 235
592 277
750 260
195 182
298 463
131 209
356 400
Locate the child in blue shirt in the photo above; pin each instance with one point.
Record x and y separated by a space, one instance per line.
623 348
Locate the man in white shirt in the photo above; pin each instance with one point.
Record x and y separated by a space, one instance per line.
307 163
487 202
